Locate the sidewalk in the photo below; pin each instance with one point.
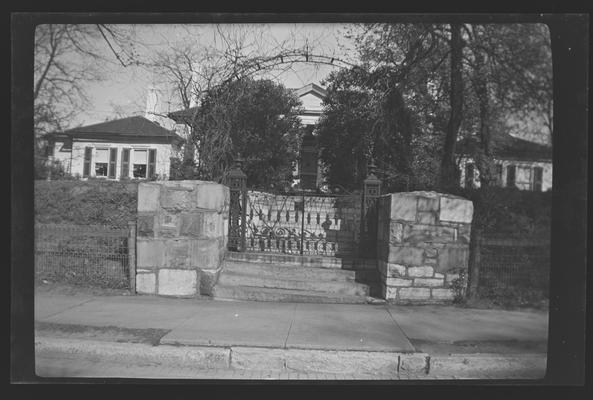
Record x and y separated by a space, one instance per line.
294 340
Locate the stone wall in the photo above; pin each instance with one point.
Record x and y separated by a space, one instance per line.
422 245
181 237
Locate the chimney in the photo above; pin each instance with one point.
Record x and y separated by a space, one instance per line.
151 104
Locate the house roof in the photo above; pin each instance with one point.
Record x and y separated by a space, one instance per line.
125 127
186 115
311 88
509 147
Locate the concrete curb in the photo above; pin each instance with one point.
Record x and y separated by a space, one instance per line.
390 365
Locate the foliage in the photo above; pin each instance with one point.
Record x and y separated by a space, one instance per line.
256 119
92 202
459 286
510 211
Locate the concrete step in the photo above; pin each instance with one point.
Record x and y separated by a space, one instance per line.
279 271
230 278
283 295
285 259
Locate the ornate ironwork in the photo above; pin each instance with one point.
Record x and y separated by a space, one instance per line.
371 192
237 182
310 224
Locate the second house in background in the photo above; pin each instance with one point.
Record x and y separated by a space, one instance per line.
127 148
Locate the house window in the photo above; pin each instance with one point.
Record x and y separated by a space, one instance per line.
538 173
469 175
511 176
499 174
101 162
139 164
523 177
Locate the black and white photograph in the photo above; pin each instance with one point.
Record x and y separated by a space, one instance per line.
365 198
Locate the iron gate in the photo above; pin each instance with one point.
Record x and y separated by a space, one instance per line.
302 223
305 224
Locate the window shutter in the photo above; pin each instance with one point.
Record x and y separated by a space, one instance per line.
125 163
151 163
112 162
469 175
499 174
538 173
511 176
88 154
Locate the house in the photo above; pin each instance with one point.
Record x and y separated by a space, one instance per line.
308 169
133 147
519 163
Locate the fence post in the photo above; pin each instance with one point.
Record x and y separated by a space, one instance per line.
132 255
237 182
371 192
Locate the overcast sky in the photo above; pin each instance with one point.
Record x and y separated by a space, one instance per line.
125 89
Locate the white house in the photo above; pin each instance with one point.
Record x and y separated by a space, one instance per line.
519 163
133 147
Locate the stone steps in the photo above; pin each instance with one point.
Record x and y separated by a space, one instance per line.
288 278
253 293
230 278
285 259
280 271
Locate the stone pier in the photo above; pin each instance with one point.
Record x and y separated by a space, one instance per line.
181 237
422 245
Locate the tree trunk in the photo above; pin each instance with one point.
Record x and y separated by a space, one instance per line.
449 171
475 246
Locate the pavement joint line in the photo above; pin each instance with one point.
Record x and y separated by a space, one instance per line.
291 322
399 327
69 308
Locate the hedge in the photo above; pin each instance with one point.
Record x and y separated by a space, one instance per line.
92 202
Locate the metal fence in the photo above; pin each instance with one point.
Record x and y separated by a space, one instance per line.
92 255
515 263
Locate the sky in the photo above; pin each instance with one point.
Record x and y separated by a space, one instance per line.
124 90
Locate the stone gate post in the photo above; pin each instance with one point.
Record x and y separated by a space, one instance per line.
423 245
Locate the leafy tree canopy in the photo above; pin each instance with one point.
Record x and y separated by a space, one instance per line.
256 119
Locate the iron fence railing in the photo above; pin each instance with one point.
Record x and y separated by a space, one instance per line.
515 263
93 255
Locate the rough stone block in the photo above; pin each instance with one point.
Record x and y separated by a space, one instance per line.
150 253
456 209
421 233
421 272
463 233
451 277
438 275
208 279
431 282
176 199
395 270
388 292
398 282
431 252
145 225
167 225
148 196
443 294
426 217
414 293
210 196
191 224
428 203
178 254
405 255
395 232
212 225
178 282
453 258
145 283
205 253
403 207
